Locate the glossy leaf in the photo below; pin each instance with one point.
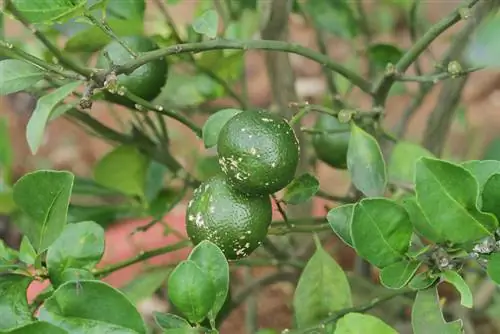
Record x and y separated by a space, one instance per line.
45 11
215 123
168 321
145 285
397 275
191 291
381 54
91 307
80 246
483 49
366 163
440 184
491 195
40 117
335 17
44 196
322 288
27 253
404 156
381 231
14 307
357 323
123 169
420 222
18 75
422 281
39 327
212 261
426 315
452 277
207 23
301 189
494 267
340 219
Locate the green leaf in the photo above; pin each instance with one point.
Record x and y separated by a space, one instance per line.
492 150
46 11
381 231
18 75
207 23
6 154
357 323
80 246
206 167
39 327
447 195
491 195
335 17
44 196
14 307
482 170
403 159
366 163
27 253
212 261
426 315
420 221
397 275
94 39
168 321
340 219
40 117
483 49
191 291
322 288
422 281
91 307
301 189
452 277
145 285
494 267
85 186
127 9
155 180
6 253
381 54
215 123
123 169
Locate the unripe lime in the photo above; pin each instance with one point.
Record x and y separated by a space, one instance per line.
331 147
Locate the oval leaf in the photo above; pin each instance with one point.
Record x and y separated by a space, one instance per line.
207 23
45 11
212 261
440 184
458 282
83 306
145 285
322 288
80 246
420 222
168 321
214 124
397 275
191 291
491 195
39 327
494 267
381 231
127 9
15 309
426 315
422 281
18 75
44 197
40 117
381 54
301 189
340 219
334 17
404 156
357 323
124 169
366 163
27 253
482 170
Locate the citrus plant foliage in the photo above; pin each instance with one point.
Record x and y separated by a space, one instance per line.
418 221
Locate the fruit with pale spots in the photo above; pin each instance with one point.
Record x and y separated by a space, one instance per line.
237 223
258 152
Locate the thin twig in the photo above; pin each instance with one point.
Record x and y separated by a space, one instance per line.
335 198
435 78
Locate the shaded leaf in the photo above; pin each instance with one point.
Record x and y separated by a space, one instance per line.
6 154
366 163
301 189
482 170
85 186
215 123
403 159
426 315
397 275
459 283
207 23
381 54
322 288
145 285
207 166
441 184
44 197
39 327
492 151
18 75
80 246
127 9
45 11
420 221
340 219
357 323
14 307
27 253
168 321
494 267
483 49
491 195
155 177
422 281
381 231
40 117
335 17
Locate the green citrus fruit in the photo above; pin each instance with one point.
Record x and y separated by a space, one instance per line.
235 222
258 152
331 147
147 80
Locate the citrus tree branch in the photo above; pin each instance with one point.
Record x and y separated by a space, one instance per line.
269 45
435 78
